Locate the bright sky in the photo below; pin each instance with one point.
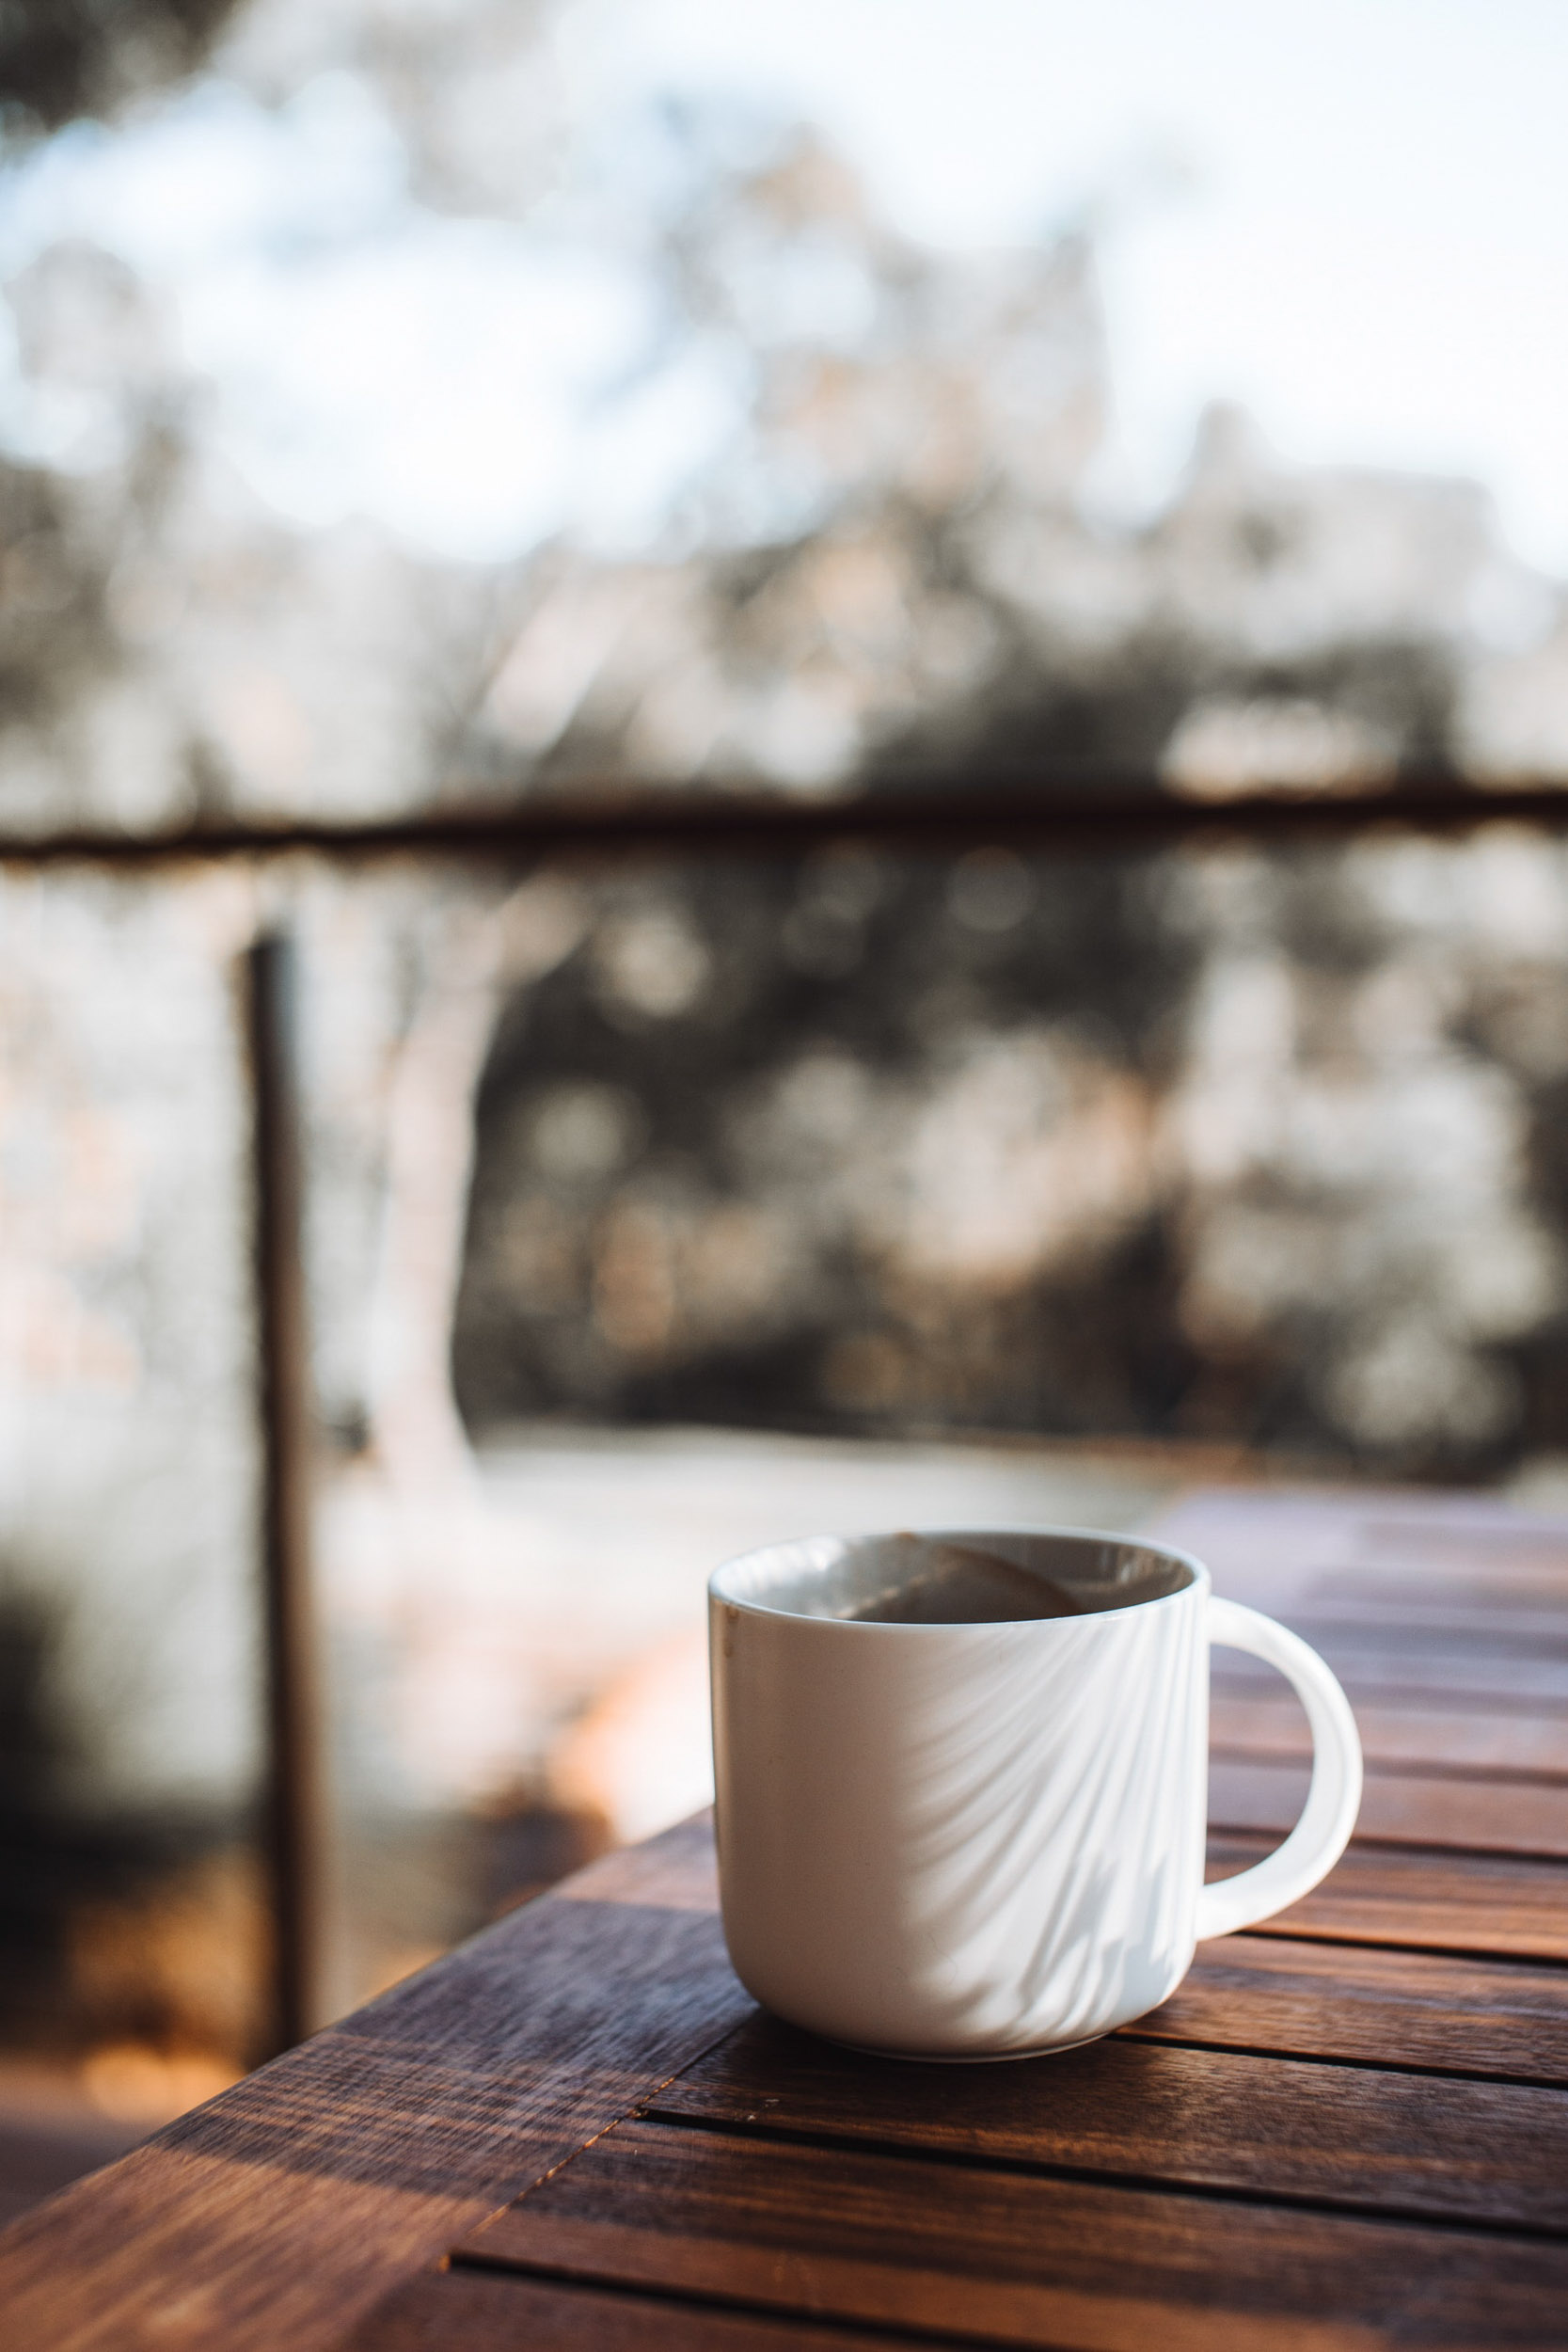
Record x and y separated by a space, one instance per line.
1371 249
1354 218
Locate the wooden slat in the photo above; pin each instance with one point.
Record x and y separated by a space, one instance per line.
1488 1639
1382 1614
505 2311
281 2211
1382 2007
1486 1587
1448 1595
1364 1543
1494 1633
1515 1816
1427 1533
1472 1674
1339 2136
845 2234
312 2204
1421 1902
1382 1569
1269 1721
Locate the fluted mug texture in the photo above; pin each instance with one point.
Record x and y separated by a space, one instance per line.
983 1840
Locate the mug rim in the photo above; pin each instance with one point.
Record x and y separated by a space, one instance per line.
1199 1578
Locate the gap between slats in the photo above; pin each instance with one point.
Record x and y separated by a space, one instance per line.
1272 2129
917 2241
1144 2183
1522 1817
1464 1905
1268 1723
1366 2005
480 2309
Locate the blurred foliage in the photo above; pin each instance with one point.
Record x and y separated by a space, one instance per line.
1227 1144
61 59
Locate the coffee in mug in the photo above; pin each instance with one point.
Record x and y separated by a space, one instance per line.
962 1783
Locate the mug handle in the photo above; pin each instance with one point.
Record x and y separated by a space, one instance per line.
1322 1833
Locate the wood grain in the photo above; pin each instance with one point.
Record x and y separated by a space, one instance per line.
1390 2009
1450 1596
281 2212
847 2235
1420 1549
1502 1624
1412 1669
498 2311
1485 1596
1504 1814
1344 2136
1268 1720
1417 1900
1345 2130
1487 1638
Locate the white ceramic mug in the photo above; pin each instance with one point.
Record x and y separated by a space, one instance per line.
983 1840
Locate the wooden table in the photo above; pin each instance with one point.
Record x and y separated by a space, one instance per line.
1347 2128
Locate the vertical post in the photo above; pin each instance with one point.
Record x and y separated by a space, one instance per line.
294 1823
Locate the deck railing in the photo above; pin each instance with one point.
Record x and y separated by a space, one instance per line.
1061 809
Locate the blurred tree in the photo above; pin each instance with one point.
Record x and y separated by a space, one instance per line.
884 563
61 59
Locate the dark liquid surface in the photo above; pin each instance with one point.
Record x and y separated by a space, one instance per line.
957 1585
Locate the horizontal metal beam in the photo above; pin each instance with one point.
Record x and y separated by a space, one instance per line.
949 813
